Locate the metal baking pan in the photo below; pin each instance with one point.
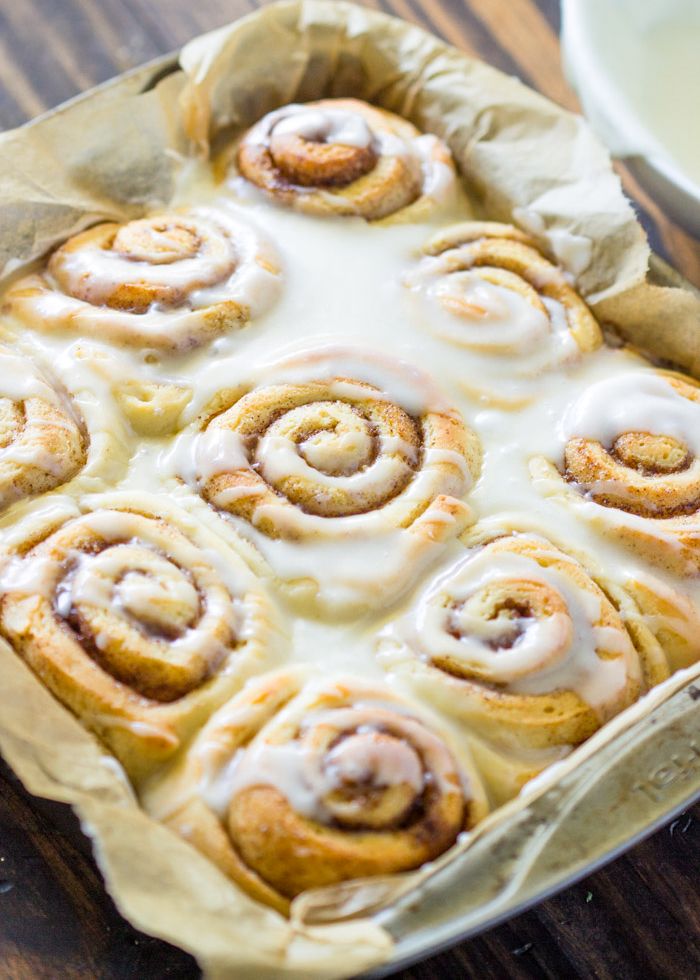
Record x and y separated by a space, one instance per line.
620 793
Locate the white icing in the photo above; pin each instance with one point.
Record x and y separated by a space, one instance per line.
492 316
216 450
101 270
146 587
354 759
680 614
29 578
279 458
235 263
342 126
639 401
131 579
343 285
18 381
40 413
381 744
29 452
509 341
438 178
323 126
554 652
421 153
394 380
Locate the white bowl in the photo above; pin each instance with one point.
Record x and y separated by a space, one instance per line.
636 67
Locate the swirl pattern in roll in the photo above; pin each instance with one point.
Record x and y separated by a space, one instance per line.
486 287
42 441
669 612
297 784
520 642
324 462
131 626
630 461
345 157
168 282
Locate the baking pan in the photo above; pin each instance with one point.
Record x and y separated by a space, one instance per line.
634 775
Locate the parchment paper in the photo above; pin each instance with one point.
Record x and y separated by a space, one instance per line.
116 153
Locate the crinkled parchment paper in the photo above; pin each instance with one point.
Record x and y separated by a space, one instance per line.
116 152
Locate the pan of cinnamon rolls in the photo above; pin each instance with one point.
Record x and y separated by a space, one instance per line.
327 507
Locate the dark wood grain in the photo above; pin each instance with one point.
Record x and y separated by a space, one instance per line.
640 917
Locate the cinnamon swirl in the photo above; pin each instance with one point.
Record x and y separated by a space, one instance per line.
485 287
522 644
670 614
345 157
43 442
314 460
170 281
128 623
630 461
297 784
153 408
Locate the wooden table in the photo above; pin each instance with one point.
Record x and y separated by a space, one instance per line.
638 917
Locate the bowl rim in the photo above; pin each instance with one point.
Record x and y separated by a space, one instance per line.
588 75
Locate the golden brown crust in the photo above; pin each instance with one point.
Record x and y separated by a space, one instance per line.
160 241
144 283
388 793
646 486
328 178
280 852
503 255
641 473
314 416
308 164
507 607
670 615
126 622
45 447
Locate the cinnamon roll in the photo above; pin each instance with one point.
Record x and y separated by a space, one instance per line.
316 461
169 282
130 624
295 785
345 157
630 462
670 614
485 287
520 642
153 408
43 442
